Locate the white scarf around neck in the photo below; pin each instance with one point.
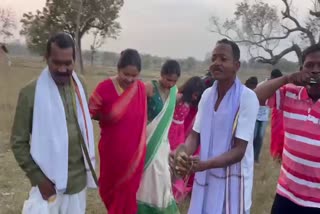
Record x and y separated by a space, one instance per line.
50 139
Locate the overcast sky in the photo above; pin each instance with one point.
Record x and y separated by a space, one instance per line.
174 28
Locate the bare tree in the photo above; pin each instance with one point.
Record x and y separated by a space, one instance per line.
99 38
265 32
7 23
316 9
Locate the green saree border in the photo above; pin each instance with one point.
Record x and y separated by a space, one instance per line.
156 139
145 208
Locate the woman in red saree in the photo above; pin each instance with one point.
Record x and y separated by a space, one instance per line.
118 103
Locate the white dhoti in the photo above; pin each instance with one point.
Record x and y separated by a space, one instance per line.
63 204
225 190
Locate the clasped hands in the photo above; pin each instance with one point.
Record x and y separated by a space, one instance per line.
182 164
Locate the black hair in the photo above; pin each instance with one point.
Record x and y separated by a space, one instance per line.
171 67
129 57
234 46
208 79
62 40
193 85
310 50
252 81
208 74
275 73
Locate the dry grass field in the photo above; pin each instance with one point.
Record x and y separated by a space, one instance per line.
14 186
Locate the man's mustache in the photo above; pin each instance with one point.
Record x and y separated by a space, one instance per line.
216 68
62 74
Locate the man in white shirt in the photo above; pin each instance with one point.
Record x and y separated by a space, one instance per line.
225 123
260 128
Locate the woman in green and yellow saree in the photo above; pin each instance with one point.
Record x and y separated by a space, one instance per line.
155 192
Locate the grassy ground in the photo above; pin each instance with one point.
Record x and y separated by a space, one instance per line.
14 186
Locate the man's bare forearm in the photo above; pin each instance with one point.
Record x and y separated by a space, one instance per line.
267 89
233 156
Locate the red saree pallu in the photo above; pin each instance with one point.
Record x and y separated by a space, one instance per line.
122 146
189 121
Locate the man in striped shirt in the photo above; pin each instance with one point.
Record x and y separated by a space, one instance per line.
298 189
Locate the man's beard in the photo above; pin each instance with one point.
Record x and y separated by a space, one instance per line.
61 78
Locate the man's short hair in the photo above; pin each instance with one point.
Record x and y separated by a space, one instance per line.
62 40
275 73
252 81
234 46
310 50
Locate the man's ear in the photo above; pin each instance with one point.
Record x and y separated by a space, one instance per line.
46 57
237 65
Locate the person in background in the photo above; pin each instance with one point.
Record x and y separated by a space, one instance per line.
298 185
277 129
53 110
155 192
188 97
251 83
189 120
4 55
208 79
260 129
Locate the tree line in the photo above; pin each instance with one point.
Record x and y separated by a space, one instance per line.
151 62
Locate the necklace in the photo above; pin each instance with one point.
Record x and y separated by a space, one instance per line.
119 88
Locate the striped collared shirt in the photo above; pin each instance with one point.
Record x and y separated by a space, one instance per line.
299 179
